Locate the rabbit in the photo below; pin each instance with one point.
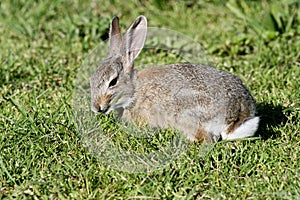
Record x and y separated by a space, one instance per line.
204 103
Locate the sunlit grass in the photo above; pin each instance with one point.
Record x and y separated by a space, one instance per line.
43 155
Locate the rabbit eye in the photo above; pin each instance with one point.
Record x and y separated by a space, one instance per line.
113 82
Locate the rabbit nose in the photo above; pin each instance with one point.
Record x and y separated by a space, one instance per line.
102 109
99 108
95 108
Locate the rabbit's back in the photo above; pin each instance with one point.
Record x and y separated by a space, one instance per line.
190 97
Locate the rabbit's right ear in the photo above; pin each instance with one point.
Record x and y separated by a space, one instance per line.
115 40
133 41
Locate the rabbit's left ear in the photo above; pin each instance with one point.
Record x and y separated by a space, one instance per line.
115 40
134 41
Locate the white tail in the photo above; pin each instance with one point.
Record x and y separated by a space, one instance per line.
246 129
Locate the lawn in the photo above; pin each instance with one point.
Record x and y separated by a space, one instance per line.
45 152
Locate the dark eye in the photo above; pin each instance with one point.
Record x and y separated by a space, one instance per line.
113 82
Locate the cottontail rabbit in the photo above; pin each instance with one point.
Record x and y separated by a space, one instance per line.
203 102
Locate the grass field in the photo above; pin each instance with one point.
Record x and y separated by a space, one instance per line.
44 43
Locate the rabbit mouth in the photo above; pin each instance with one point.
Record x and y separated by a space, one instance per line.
100 109
112 105
106 110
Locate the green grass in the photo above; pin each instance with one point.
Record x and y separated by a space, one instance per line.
42 154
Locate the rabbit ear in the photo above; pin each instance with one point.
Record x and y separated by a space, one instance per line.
134 41
115 40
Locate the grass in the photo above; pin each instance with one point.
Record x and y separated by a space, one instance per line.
42 154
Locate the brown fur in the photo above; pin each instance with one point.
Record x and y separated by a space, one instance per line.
234 125
104 99
151 73
202 137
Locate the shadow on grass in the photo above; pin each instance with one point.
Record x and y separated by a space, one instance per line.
270 116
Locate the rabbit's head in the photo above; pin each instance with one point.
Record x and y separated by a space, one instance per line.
112 85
